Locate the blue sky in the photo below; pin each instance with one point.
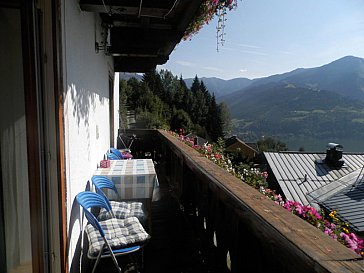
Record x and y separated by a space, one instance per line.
266 37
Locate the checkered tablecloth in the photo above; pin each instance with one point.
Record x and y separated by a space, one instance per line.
134 179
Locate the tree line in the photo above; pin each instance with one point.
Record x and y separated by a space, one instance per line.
162 100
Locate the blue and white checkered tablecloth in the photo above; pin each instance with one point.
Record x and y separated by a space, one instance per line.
134 179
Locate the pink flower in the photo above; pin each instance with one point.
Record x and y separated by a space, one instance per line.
352 236
314 212
287 205
218 156
327 231
352 242
299 209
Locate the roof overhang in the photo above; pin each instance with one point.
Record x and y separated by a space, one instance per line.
142 34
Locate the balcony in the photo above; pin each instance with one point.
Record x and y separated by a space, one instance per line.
206 220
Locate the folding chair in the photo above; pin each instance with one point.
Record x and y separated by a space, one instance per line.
113 237
116 152
112 156
119 209
120 155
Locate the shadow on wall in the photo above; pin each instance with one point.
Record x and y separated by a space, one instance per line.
83 101
83 104
78 259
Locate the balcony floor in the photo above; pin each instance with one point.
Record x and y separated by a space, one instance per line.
174 246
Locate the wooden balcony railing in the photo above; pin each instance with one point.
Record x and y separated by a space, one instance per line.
242 230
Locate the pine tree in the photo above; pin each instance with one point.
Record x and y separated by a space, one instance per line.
162 99
135 92
195 85
225 118
154 82
214 124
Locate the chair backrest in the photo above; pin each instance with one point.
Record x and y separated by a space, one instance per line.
116 152
112 156
88 200
102 182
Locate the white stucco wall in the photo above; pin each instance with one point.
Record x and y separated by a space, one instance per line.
86 105
116 106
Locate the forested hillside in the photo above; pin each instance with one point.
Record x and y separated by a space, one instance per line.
162 100
302 113
305 107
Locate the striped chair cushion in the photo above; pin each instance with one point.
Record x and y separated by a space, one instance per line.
118 232
123 210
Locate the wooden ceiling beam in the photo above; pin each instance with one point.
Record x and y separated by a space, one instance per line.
124 10
138 64
137 50
124 24
134 55
142 38
130 67
161 4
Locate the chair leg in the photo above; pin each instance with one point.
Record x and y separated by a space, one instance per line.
97 261
116 263
142 258
113 256
136 264
134 259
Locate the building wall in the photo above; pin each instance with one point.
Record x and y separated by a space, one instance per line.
245 150
116 107
86 105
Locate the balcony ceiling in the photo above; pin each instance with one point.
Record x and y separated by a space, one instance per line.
143 33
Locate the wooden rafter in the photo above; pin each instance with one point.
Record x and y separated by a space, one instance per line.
123 10
143 33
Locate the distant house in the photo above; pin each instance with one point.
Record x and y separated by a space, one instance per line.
332 181
234 144
197 140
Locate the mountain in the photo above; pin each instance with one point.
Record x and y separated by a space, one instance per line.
296 115
316 105
276 101
344 76
221 87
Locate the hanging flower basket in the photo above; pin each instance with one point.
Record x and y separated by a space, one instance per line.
207 11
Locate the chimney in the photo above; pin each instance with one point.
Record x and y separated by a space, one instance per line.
334 154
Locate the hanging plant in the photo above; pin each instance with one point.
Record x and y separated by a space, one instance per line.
207 11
